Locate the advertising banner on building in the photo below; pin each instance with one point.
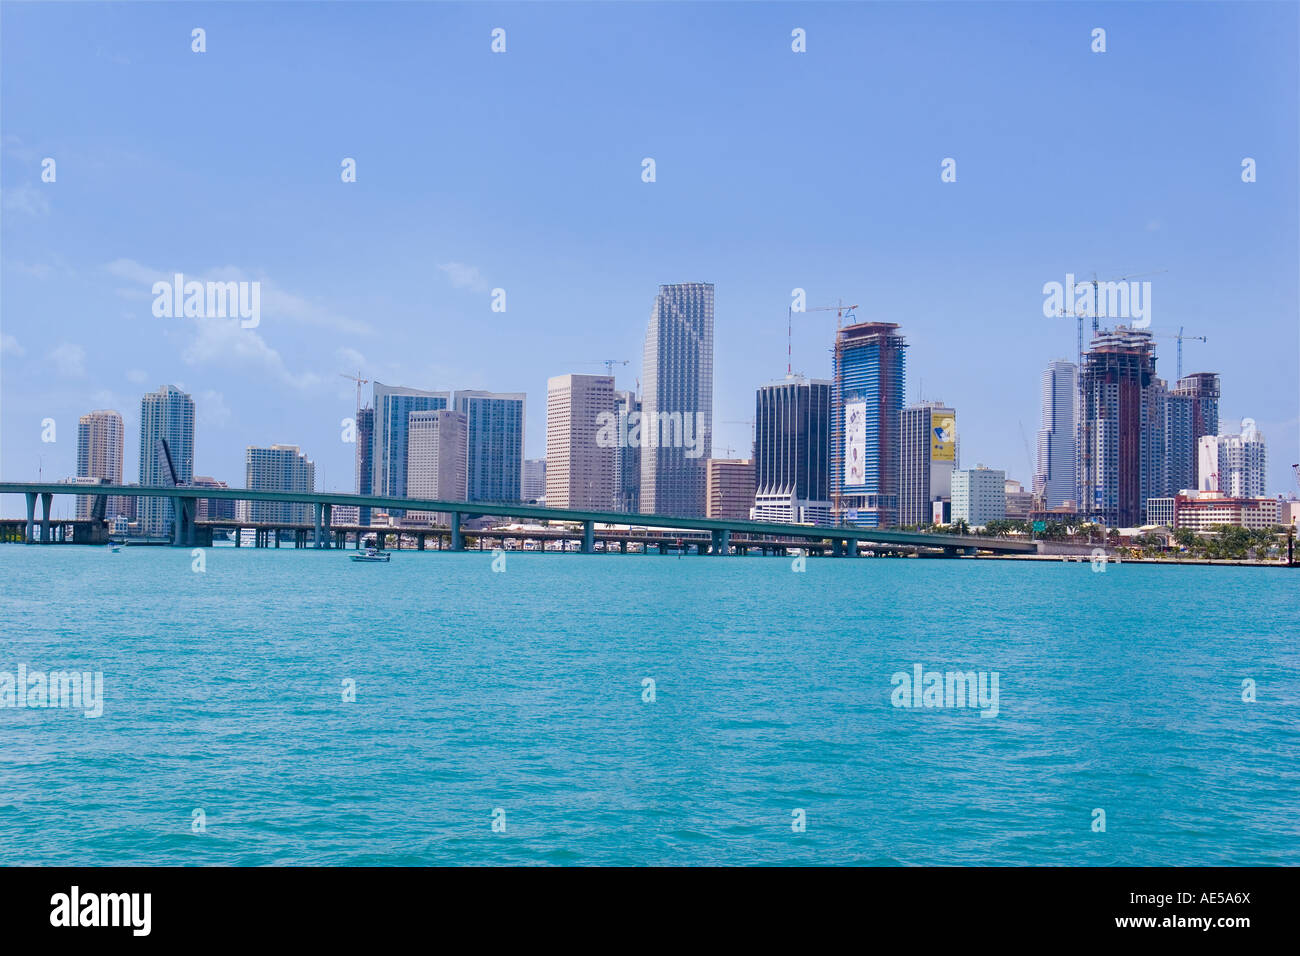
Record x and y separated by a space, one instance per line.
943 438
855 443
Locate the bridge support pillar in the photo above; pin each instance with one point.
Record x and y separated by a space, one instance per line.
589 537
46 501
457 539
837 548
30 537
316 525
721 542
851 547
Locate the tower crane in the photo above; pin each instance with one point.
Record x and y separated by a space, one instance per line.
1095 314
1181 337
360 381
608 363
839 311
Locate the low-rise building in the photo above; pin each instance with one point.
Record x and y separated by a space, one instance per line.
979 496
1202 512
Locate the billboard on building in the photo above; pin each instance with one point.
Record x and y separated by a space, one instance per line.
855 443
943 438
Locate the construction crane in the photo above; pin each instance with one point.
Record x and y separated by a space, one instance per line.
360 381
1181 337
839 311
608 363
1296 470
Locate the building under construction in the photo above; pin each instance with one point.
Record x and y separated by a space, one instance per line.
866 408
1121 428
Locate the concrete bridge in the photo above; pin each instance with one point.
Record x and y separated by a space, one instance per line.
188 533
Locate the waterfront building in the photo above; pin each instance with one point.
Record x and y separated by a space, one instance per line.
1055 480
495 422
866 406
1239 463
927 458
677 401
1202 511
1202 390
730 488
580 442
534 479
277 468
792 449
1121 432
437 464
1019 503
365 458
99 456
166 453
1160 511
1180 441
213 509
627 452
979 495
393 405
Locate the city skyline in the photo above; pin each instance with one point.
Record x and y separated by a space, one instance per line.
79 333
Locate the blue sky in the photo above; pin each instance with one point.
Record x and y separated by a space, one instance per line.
522 171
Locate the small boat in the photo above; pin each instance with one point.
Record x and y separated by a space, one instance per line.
372 554
116 548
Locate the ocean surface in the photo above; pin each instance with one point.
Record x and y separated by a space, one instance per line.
517 697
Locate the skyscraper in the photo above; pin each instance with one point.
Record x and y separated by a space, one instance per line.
869 367
627 453
165 415
1180 442
496 443
393 407
580 442
928 455
792 450
278 468
1203 390
437 464
1055 480
677 401
1240 463
365 458
99 455
1121 433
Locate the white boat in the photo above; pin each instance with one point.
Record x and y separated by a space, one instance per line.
372 554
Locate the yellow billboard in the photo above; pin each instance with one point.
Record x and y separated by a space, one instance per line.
943 438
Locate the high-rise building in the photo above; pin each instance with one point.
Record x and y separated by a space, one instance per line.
729 488
792 450
534 479
677 401
580 442
213 509
1121 430
1235 466
392 413
278 468
1180 443
99 455
627 453
1203 390
166 415
496 443
437 462
365 458
979 495
869 367
927 456
1056 476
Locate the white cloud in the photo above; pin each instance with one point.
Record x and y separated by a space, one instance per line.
463 276
69 360
223 342
212 409
9 346
26 198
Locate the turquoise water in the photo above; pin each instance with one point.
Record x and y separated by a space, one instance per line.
523 691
